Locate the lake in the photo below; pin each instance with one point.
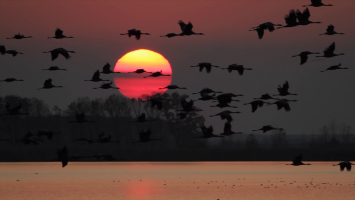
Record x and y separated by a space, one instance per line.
175 180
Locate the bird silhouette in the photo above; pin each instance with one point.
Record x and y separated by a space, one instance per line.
2 50
330 31
106 69
207 132
304 56
169 35
206 65
345 164
188 106
59 34
317 3
187 29
283 103
107 86
48 85
266 96
267 25
172 87
55 53
206 97
290 19
13 52
260 32
10 80
96 77
283 91
63 155
144 136
239 68
224 105
157 101
303 18
80 118
206 90
329 51
228 129
142 118
156 74
54 68
139 71
14 110
267 128
227 97
334 67
29 139
255 104
225 115
135 32
19 36
298 161
48 134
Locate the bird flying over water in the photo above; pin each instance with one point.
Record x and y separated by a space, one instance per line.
345 164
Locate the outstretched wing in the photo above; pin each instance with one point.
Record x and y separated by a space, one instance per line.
330 28
329 50
182 25
106 67
58 32
47 82
96 75
304 58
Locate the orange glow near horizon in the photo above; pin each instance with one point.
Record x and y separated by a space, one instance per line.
133 85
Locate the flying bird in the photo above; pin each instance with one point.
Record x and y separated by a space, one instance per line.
227 97
345 164
55 53
267 25
304 56
156 74
19 36
107 86
54 68
80 118
2 50
172 87
228 129
329 51
265 96
267 128
96 77
135 32
334 67
317 3
10 80
303 18
106 69
207 132
330 31
157 101
188 106
13 52
283 103
59 34
290 19
48 134
298 161
139 71
48 85
206 97
255 104
206 65
225 115
187 29
239 68
169 35
283 91
206 90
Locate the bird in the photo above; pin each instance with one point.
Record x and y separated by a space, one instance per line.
283 103
267 25
304 56
107 86
187 29
298 161
80 118
225 115
334 67
172 87
63 155
54 68
48 85
345 164
228 129
14 110
206 65
106 69
283 91
290 19
265 96
144 136
227 97
206 90
10 80
303 18
156 74
59 34
317 3
2 50
157 101
139 71
187 106
142 118
268 128
223 105
330 31
207 132
260 32
206 97
19 36
239 68
169 35
255 104
135 32
61 51
96 77
29 139
329 51
13 52
49 134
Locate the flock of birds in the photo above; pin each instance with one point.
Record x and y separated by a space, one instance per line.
293 19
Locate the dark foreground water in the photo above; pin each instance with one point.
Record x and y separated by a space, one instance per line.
175 180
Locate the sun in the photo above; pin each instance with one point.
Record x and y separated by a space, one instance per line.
133 85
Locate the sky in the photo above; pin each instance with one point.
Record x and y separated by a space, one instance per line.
96 27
